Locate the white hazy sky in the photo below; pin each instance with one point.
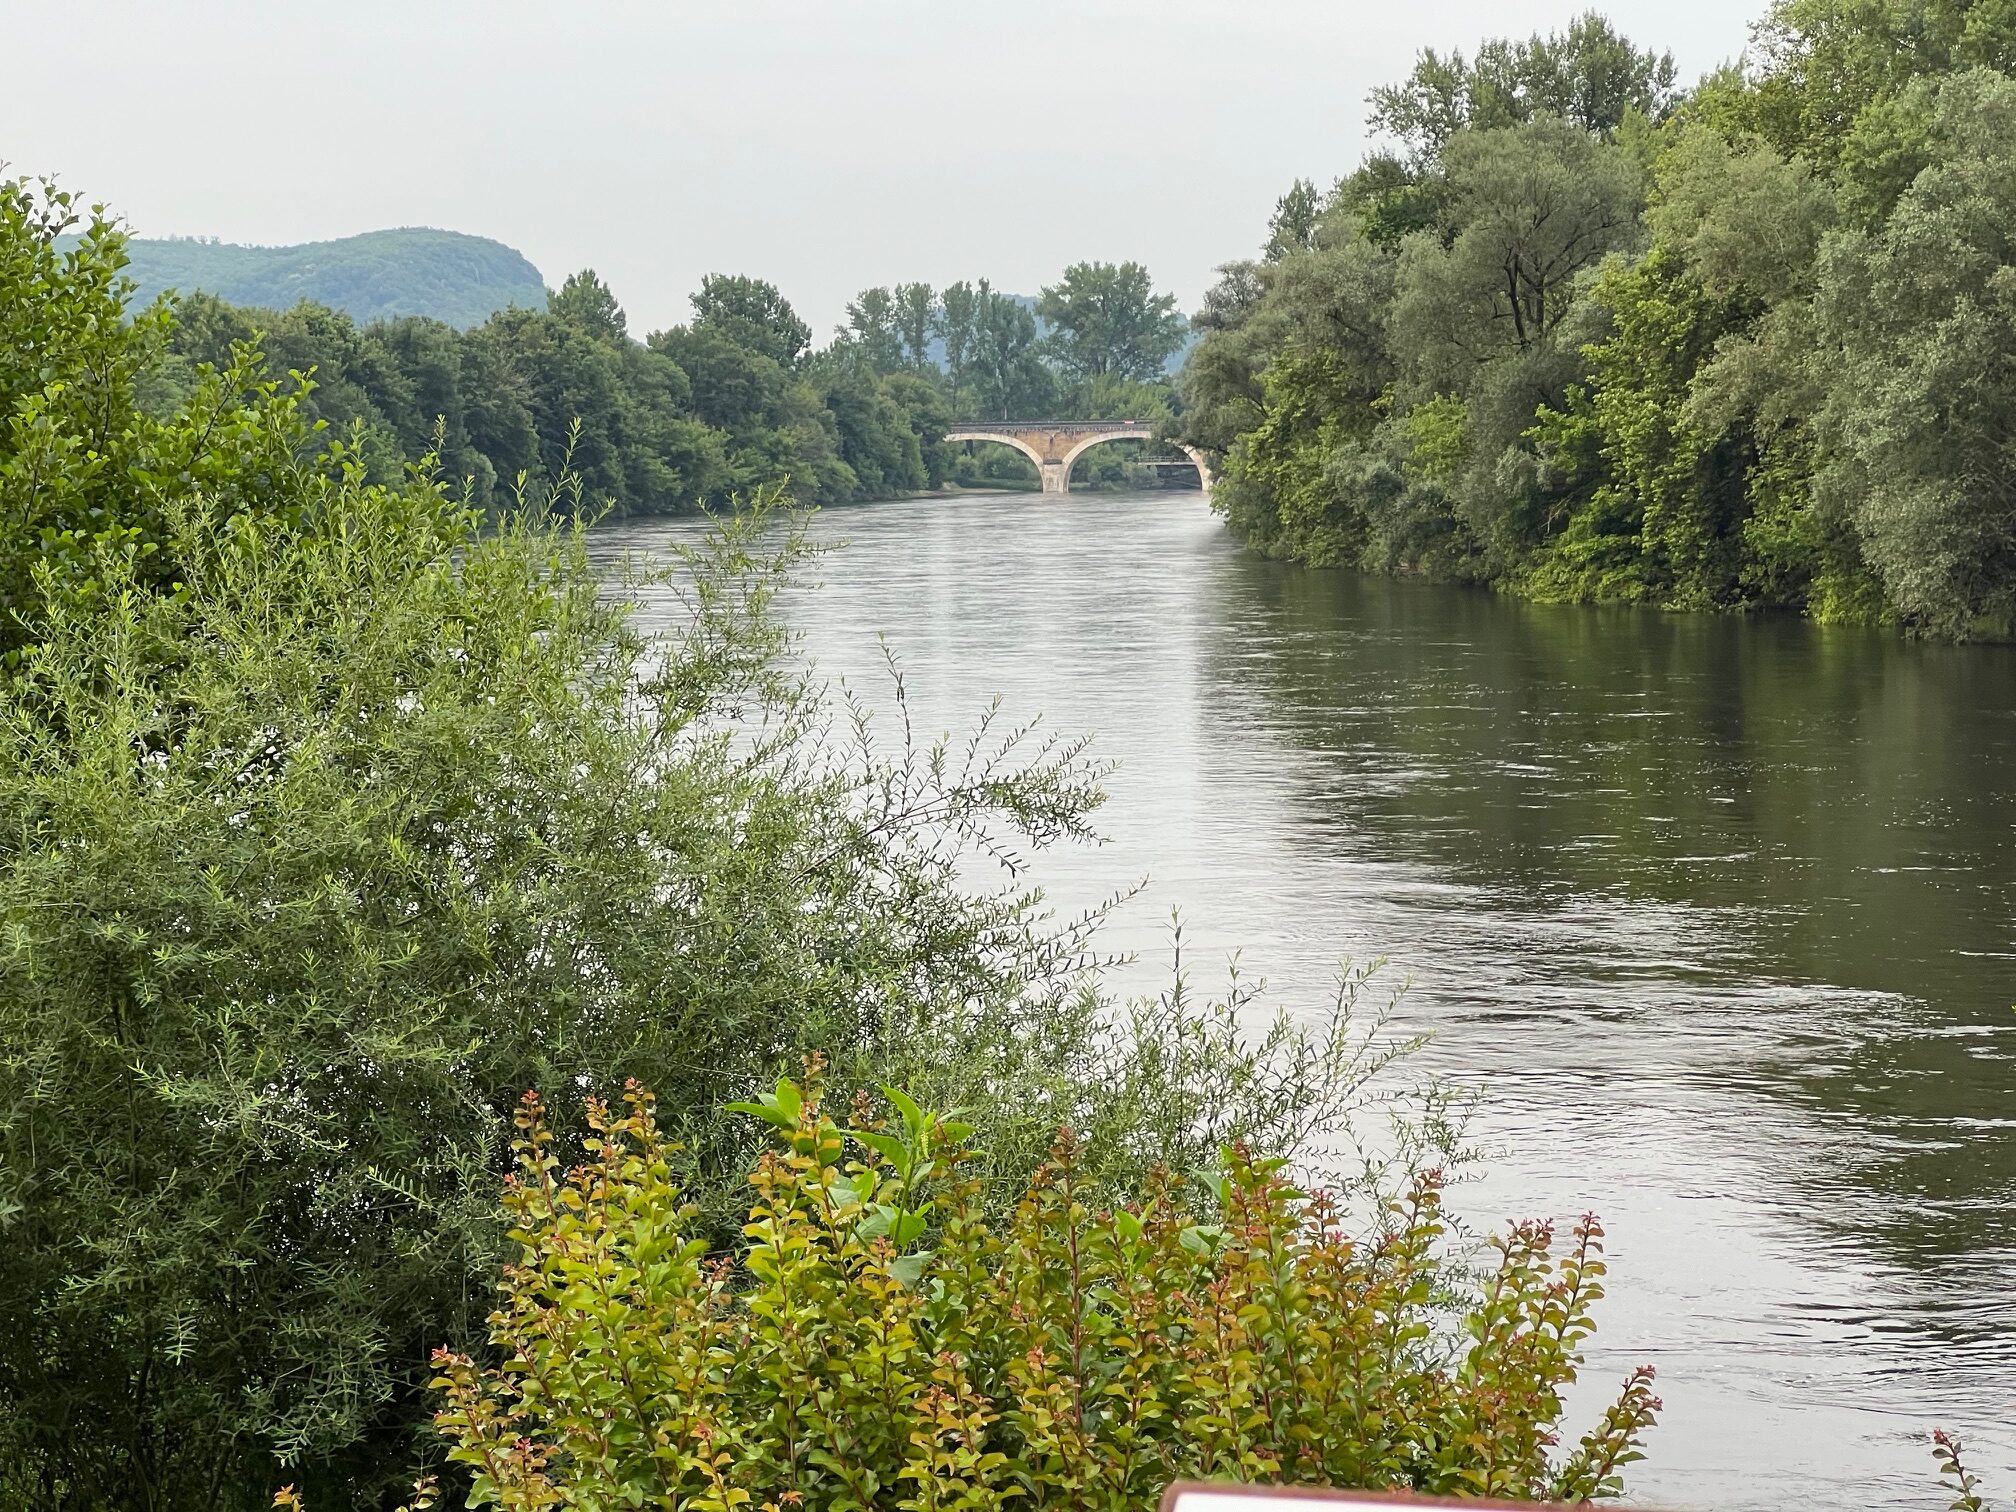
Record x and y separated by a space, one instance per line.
823 144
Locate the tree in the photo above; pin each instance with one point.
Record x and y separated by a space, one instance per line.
616 418
1230 302
1297 214
1827 65
1535 205
777 430
916 320
752 314
85 472
929 413
588 303
1588 75
871 325
959 324
1106 318
428 356
1009 378
875 436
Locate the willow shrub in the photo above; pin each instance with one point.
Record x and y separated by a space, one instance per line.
880 1342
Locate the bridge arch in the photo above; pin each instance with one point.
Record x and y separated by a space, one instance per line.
1196 457
1006 438
1054 445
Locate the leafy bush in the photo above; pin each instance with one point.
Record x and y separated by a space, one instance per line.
881 1342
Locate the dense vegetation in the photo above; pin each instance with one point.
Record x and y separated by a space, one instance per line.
733 402
448 276
885 1341
335 814
1585 335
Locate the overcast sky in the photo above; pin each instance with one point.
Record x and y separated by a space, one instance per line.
823 144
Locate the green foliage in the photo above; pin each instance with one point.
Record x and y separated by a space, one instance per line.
382 817
1948 1455
885 1340
1918 325
381 275
1828 64
1297 215
586 302
1588 76
1007 377
754 315
1535 205
87 477
871 327
1747 347
1107 321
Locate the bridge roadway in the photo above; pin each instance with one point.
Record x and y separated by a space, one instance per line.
1054 445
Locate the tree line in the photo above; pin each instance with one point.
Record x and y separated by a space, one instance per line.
1583 334
734 401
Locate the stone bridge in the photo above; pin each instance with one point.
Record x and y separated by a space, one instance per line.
1054 445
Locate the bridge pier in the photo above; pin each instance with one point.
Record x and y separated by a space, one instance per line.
1056 477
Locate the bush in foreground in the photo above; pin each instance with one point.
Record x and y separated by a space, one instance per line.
881 1342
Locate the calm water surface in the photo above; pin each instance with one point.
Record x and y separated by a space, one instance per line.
1718 917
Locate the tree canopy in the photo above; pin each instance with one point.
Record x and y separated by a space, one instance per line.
1590 336
1107 321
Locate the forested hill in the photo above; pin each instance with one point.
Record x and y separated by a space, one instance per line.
381 275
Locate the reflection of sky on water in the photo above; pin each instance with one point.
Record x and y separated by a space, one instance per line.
1716 915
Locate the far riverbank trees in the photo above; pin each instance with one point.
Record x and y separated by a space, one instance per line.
735 401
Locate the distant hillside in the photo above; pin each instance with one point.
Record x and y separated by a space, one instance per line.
413 271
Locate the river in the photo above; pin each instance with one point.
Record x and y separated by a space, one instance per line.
1717 916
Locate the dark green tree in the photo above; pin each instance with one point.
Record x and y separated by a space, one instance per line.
872 328
1297 214
1009 377
1106 319
959 326
752 314
917 323
589 304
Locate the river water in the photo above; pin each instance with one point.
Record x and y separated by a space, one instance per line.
1717 916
